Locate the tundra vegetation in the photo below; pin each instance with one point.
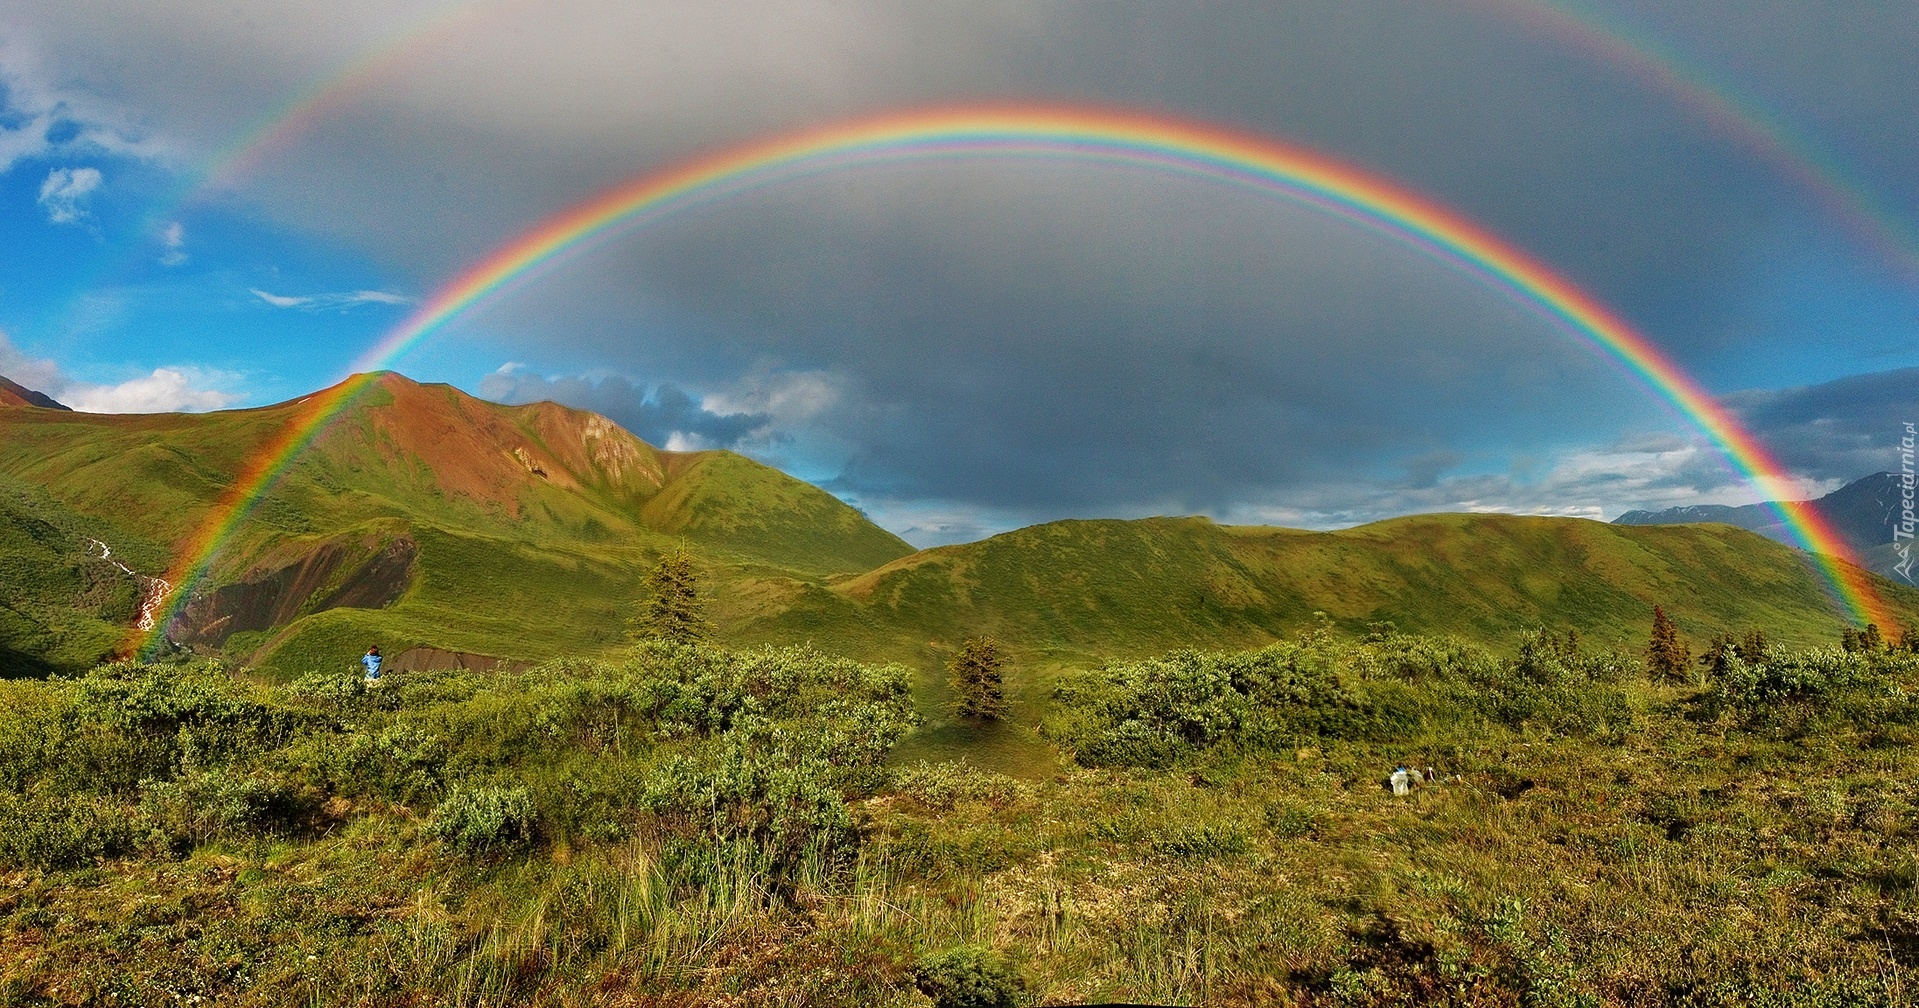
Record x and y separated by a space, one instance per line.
678 824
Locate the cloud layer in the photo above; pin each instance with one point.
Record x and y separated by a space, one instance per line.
663 415
975 342
165 390
1838 430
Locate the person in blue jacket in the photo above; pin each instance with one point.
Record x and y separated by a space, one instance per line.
372 663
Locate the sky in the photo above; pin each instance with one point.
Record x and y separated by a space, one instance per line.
206 206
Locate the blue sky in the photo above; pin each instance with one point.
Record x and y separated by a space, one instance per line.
962 348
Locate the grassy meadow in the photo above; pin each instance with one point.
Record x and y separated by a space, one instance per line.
682 824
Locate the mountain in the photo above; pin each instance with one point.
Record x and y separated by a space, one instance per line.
1091 588
422 516
12 394
1863 512
450 530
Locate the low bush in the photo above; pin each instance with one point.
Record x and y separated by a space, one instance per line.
1390 688
54 832
970 976
484 820
219 803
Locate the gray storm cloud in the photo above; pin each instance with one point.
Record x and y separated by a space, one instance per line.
664 415
1586 163
1838 430
1034 340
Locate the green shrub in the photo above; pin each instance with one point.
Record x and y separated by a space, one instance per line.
482 820
67 831
970 976
1795 694
788 807
1155 712
31 716
344 686
218 803
403 762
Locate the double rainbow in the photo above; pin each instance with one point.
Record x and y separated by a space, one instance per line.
1143 141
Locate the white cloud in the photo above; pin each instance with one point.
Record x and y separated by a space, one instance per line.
34 112
1650 471
788 397
36 374
340 300
65 190
681 441
173 241
166 390
280 300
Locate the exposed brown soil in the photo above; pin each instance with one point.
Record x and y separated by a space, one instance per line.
268 597
491 453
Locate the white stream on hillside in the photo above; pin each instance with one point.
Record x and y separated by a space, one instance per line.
153 590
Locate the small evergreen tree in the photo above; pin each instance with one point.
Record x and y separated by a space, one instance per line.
1667 655
1718 656
675 612
978 679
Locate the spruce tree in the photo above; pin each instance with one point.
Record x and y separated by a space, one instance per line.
977 679
1717 659
1667 655
675 611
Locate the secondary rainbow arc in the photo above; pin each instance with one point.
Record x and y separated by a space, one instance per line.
1737 114
1294 173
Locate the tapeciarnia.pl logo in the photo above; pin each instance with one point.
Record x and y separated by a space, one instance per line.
1902 529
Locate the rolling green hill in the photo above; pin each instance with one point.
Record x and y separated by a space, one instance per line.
422 517
1135 587
521 532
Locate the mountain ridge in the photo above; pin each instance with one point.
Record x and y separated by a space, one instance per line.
15 394
422 517
561 499
1863 512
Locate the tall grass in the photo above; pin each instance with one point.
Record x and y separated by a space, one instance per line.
692 826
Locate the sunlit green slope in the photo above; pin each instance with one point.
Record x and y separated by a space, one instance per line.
1115 587
520 532
423 517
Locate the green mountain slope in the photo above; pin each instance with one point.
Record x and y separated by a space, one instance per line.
420 515
1134 587
63 604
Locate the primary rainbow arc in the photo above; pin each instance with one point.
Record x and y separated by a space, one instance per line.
1187 148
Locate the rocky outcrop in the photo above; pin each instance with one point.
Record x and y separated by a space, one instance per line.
336 574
